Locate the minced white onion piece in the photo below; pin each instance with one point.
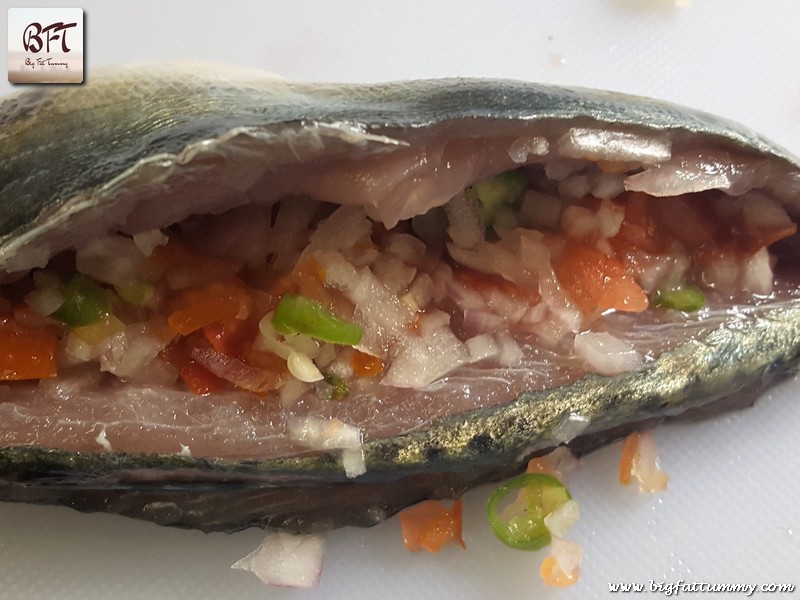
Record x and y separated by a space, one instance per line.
342 230
561 519
303 368
563 461
645 467
510 351
45 301
568 556
291 391
575 187
148 241
605 354
330 434
610 218
424 358
482 347
608 186
129 352
286 559
757 273
465 227
111 259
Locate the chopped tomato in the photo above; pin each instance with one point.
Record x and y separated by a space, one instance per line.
366 365
429 525
629 449
639 460
638 229
26 352
541 464
186 268
597 283
553 575
199 380
210 304
204 313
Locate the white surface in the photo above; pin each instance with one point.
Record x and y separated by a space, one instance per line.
731 514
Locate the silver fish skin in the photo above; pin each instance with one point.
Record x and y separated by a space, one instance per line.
78 161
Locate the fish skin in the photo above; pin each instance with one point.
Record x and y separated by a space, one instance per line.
89 164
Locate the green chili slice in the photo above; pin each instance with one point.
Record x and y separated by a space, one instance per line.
520 524
685 297
85 303
299 314
504 189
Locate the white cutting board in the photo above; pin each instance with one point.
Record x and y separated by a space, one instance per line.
731 512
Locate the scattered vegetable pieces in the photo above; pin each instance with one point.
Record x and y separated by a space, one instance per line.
520 524
430 526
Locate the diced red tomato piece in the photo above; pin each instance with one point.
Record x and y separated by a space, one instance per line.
366 365
430 525
597 282
26 352
199 380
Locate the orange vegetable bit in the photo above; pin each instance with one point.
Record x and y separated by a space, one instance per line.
542 465
366 365
597 283
197 316
629 449
26 352
199 380
553 575
430 526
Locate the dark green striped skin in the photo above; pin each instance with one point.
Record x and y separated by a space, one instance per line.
60 149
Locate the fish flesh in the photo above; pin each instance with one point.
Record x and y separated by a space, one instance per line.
147 150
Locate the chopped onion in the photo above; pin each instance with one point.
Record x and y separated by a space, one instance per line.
330 434
45 301
510 352
286 559
347 226
406 247
605 354
424 358
129 352
757 273
568 556
465 227
575 187
482 347
148 241
645 467
562 518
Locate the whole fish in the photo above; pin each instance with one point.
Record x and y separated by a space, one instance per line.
144 149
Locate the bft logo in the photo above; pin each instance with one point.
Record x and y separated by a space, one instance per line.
45 45
32 36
